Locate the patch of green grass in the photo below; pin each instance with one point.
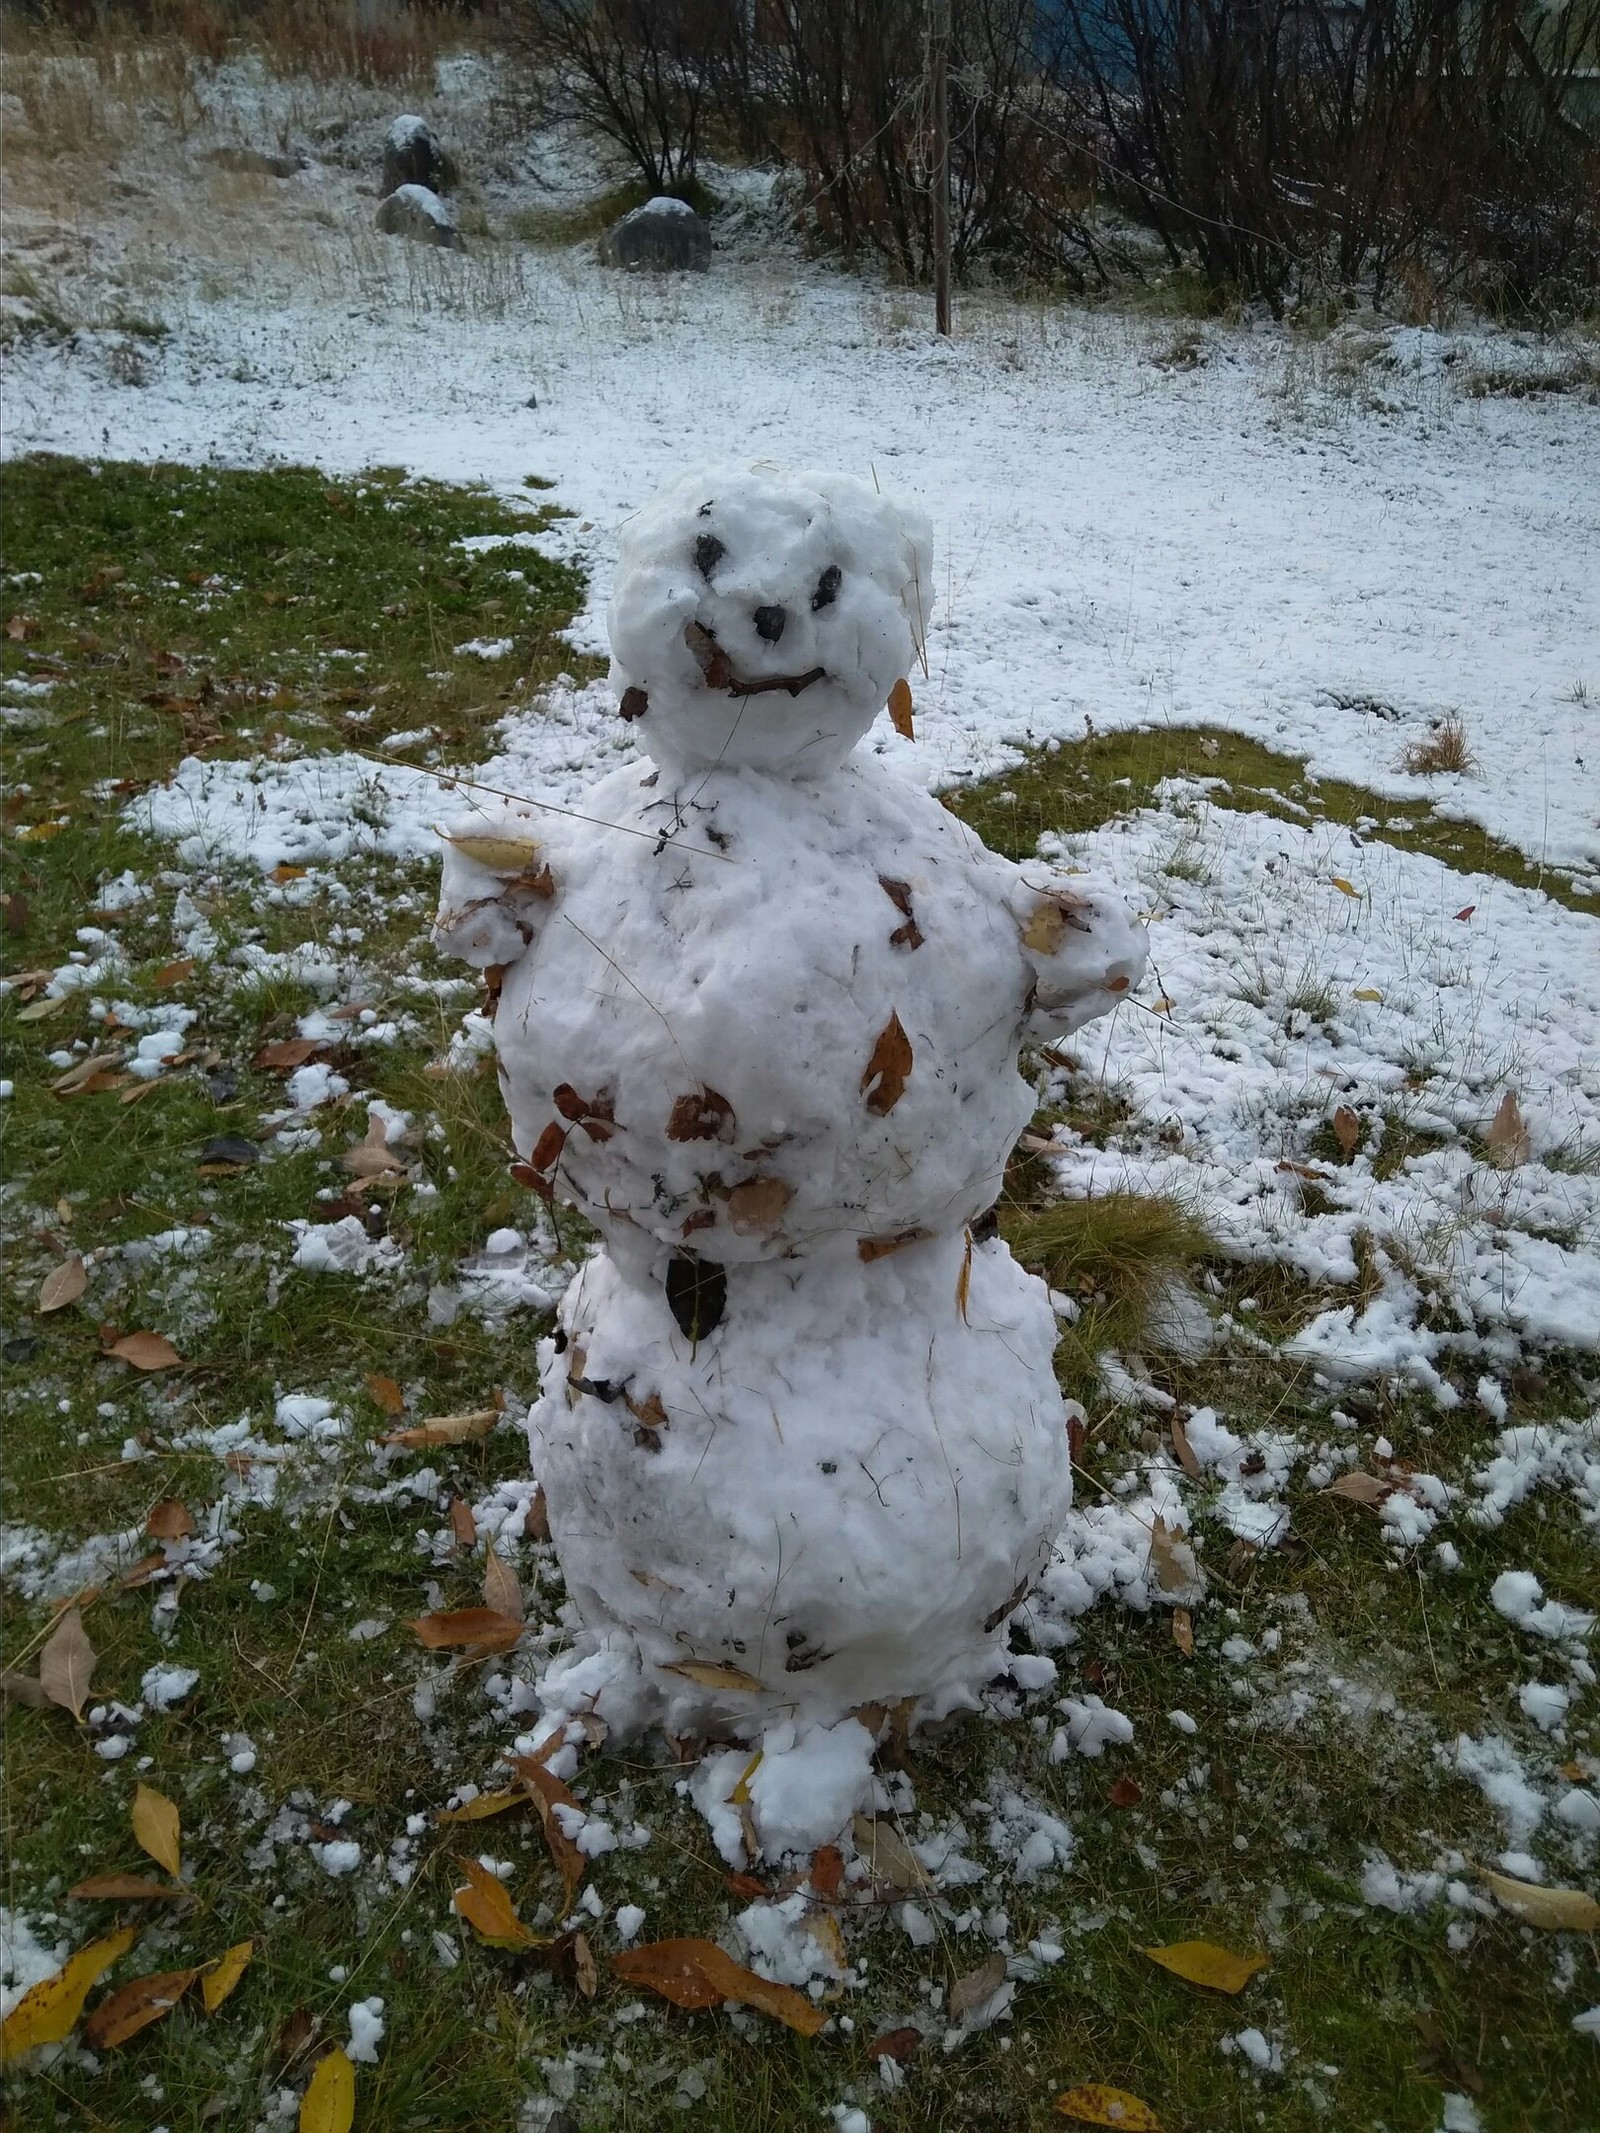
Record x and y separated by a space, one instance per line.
1080 784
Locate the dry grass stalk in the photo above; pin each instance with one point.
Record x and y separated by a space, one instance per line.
1445 749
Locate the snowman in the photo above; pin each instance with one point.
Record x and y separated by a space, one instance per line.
758 1019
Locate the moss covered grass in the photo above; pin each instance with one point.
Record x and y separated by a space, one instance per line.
1319 1747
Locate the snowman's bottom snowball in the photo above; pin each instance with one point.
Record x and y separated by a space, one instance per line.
853 1486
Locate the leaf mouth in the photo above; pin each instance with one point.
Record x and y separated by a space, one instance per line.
719 673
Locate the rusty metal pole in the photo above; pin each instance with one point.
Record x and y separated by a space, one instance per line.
939 52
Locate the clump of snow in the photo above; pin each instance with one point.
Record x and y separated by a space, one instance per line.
1264 2054
779 1946
342 1247
1519 1596
366 2030
165 1686
337 1857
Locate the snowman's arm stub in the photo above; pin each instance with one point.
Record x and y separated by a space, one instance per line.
496 889
1084 946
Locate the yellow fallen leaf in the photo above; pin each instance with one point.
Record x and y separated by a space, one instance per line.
1552 1910
487 1908
329 2103
1346 888
1367 992
740 1795
1093 2104
501 855
713 1674
157 1828
1202 1962
46 2014
225 1974
481 1808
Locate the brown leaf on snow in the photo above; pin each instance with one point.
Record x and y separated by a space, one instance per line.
462 1523
701 1116
698 1974
888 1855
713 1674
501 1589
1346 1131
482 1627
1173 1559
884 1082
1358 1487
63 1285
444 1429
372 1157
66 1664
1506 1136
1202 1962
157 1828
124 1888
827 1871
969 1993
386 1393
488 1909
146 1351
900 710
758 1204
870 1248
170 1520
135 2006
536 1519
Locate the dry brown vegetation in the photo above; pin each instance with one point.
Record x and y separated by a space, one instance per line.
1445 749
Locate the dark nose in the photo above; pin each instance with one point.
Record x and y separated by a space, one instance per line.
769 623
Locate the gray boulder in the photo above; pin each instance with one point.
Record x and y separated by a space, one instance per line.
412 156
412 211
664 234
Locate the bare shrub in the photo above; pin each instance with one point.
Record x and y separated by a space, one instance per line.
1446 748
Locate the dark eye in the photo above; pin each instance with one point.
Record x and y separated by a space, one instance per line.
708 553
827 587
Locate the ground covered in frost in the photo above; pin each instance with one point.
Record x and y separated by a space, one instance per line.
1319 1208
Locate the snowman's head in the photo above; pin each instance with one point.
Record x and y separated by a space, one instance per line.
761 619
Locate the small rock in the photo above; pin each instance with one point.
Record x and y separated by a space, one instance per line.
664 234
413 211
412 156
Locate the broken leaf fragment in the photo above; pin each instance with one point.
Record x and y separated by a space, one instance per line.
714 1674
485 1628
47 2012
157 1828
66 1664
1202 1962
135 2006
481 1806
224 1974
444 1429
488 1909
1091 2103
698 1974
329 2103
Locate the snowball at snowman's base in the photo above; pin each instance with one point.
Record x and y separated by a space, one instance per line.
836 1500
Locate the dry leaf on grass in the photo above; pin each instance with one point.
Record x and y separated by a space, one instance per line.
372 1157
173 973
66 1664
1201 1962
170 1520
583 1966
501 1589
386 1393
329 2103
484 1627
1184 1449
887 1071
900 710
284 1054
697 1974
1091 2103
124 1888
1552 1910
1358 1487
444 1429
487 1908
714 1674
135 2006
47 2012
1183 1631
146 1351
827 1871
1506 1136
23 1688
482 1806
1174 1562
888 1855
463 1526
222 1976
969 1993
157 1828
547 1794
63 1285
1125 1792
896 2044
